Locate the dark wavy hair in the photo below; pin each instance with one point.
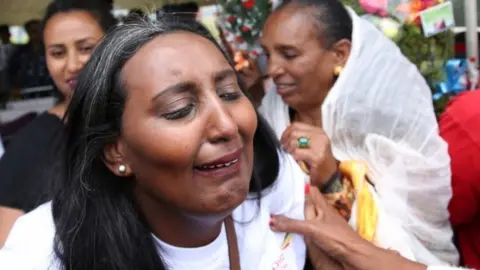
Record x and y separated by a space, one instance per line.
98 224
100 10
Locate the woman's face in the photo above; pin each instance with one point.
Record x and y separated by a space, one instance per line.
69 38
188 129
302 69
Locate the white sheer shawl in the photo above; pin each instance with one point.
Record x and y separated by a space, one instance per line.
380 111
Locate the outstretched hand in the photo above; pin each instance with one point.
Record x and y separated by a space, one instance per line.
333 244
322 228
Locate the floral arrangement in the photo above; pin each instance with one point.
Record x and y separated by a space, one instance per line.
400 20
242 22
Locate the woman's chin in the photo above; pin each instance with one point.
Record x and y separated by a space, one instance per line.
292 100
66 92
218 207
229 198
226 194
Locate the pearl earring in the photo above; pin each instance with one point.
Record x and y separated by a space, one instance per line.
122 168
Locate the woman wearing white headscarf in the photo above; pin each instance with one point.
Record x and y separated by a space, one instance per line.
337 76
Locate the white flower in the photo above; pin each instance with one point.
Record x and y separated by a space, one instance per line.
243 46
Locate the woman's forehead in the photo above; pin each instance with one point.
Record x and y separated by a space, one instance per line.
72 25
293 23
169 58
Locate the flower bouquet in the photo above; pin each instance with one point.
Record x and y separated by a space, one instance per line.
241 22
401 20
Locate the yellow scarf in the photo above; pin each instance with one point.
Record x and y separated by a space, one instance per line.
367 212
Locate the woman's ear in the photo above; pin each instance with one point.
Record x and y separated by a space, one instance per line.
342 50
114 159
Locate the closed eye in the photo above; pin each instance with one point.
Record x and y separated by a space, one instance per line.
87 49
230 96
288 54
180 113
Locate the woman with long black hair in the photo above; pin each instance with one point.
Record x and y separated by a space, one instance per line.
176 170
168 167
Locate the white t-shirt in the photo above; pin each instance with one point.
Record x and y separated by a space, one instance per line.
30 243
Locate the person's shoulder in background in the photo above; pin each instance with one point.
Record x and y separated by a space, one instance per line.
466 97
25 165
460 128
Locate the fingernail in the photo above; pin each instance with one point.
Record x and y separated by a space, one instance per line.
272 221
307 189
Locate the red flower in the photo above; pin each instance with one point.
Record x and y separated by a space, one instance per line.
248 4
231 19
239 39
245 29
417 21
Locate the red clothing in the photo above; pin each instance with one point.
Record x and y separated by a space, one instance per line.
460 128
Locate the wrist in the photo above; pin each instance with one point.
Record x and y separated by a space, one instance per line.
334 179
327 175
359 254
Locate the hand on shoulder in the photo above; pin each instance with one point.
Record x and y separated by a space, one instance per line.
332 242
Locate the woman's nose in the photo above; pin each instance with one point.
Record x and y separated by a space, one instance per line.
221 124
275 67
74 63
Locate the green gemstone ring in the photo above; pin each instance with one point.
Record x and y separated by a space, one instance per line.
303 142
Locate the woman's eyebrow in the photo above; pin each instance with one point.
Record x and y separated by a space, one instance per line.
222 75
52 46
176 88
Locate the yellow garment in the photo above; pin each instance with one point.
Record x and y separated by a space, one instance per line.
367 212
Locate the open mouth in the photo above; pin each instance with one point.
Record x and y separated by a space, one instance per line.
285 85
224 167
284 88
72 83
216 166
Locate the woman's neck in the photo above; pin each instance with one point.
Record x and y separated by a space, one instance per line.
59 110
311 116
180 229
